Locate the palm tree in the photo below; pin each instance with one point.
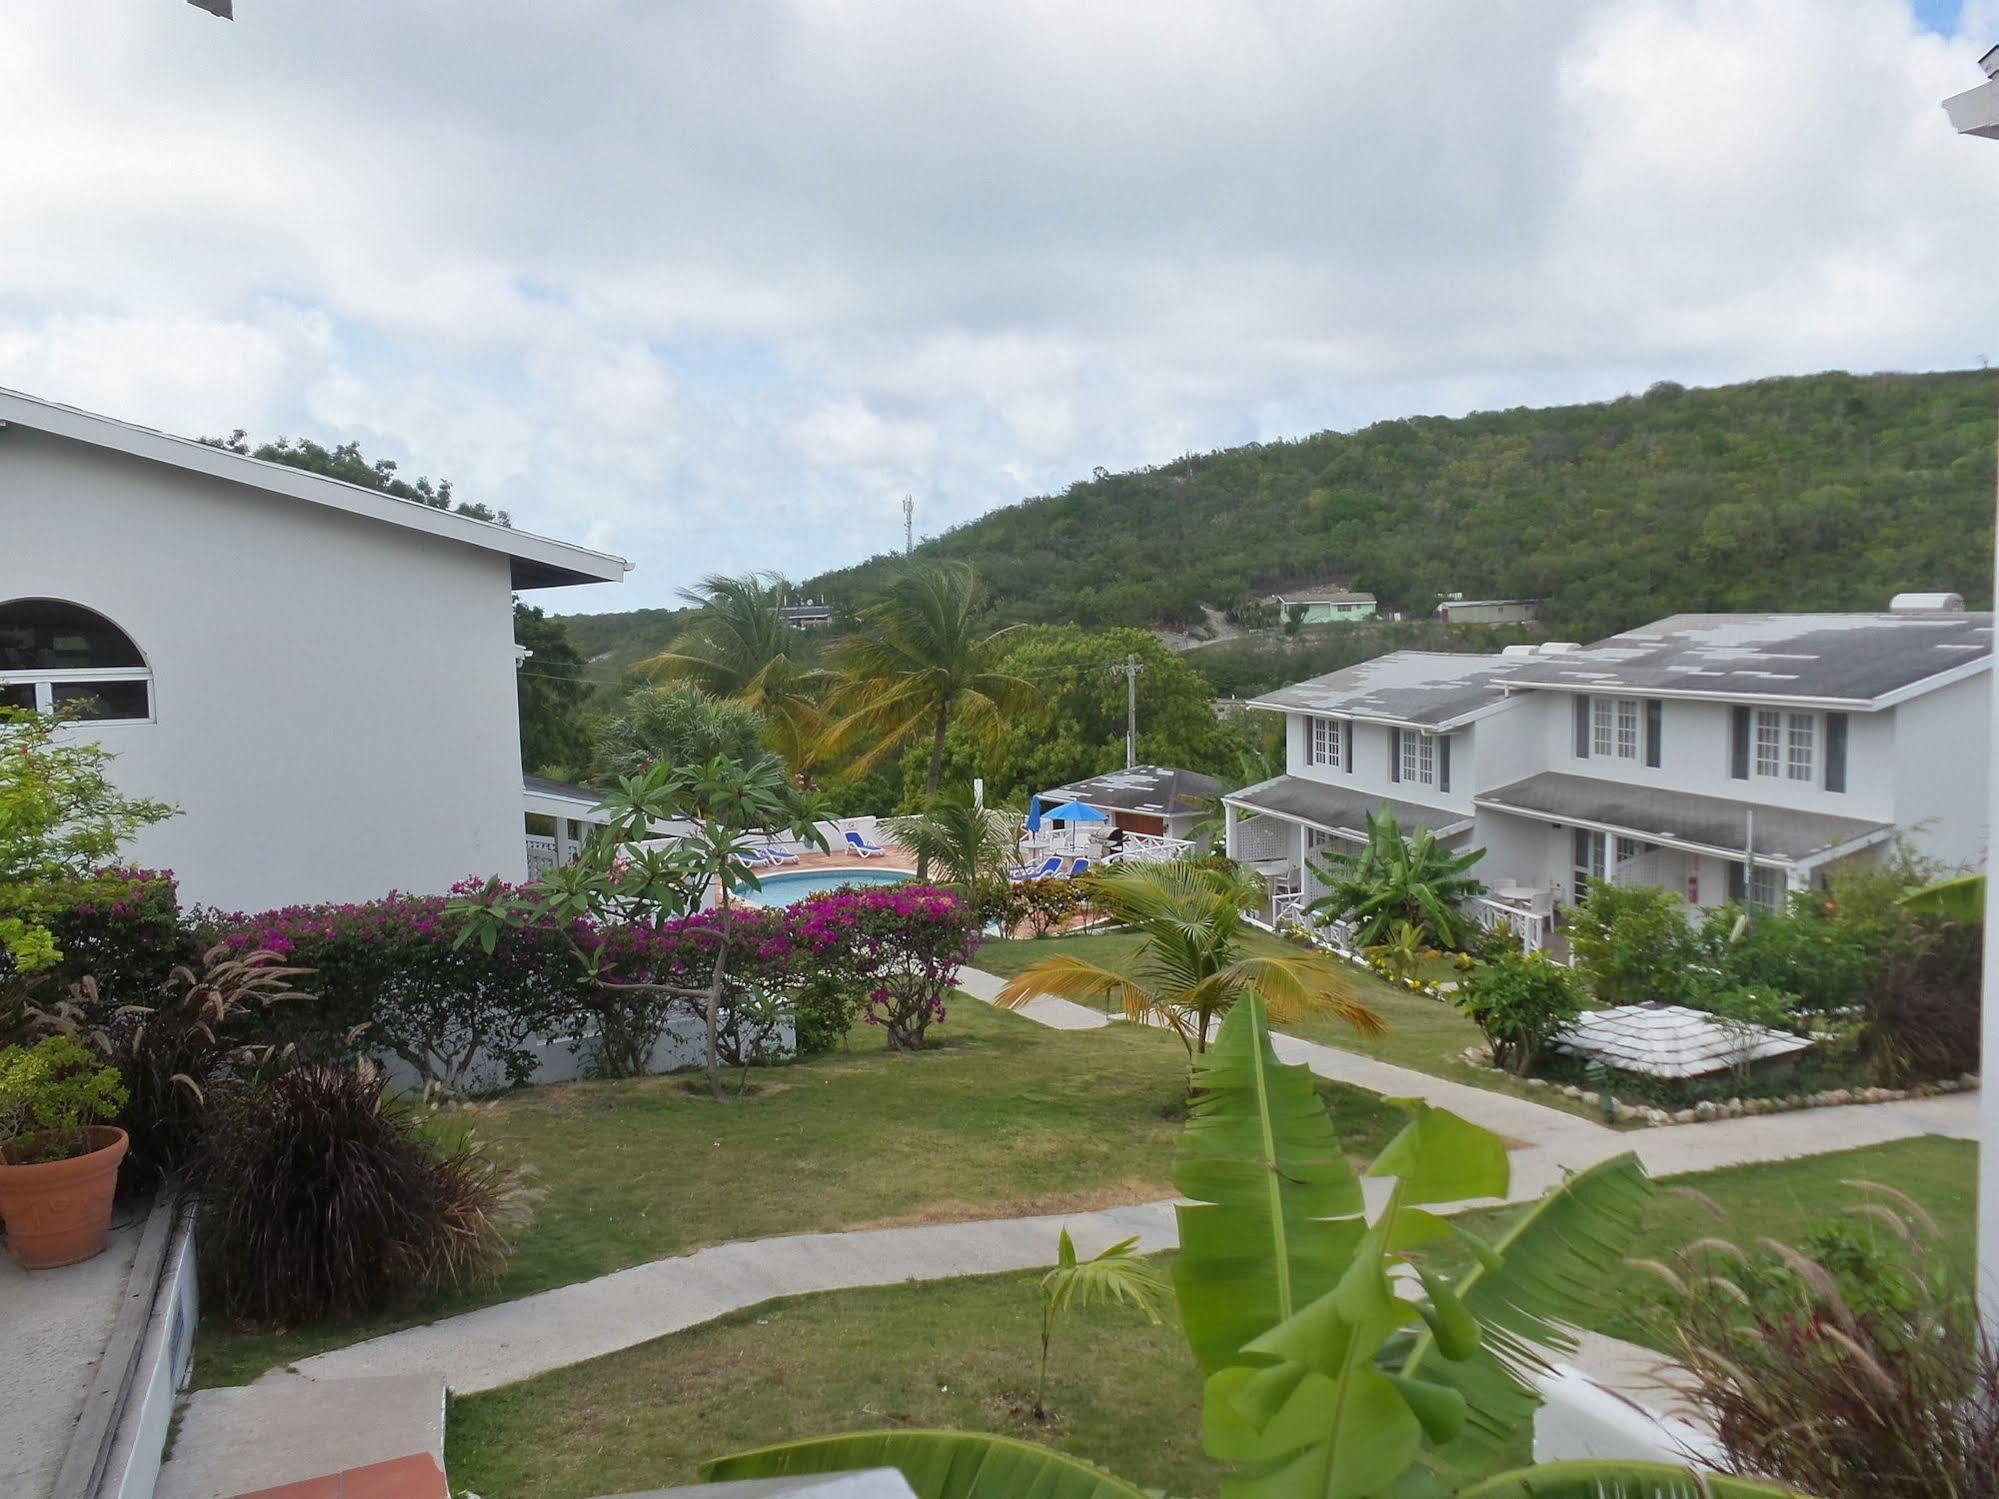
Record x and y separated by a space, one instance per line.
1191 967
1395 878
972 845
919 661
738 645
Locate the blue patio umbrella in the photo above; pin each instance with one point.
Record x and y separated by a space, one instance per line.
1034 814
1075 812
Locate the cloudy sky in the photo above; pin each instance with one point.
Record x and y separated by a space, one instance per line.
713 284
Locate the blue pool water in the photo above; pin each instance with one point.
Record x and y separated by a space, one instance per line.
783 889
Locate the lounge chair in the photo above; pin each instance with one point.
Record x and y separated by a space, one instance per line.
1047 869
1080 867
772 854
862 847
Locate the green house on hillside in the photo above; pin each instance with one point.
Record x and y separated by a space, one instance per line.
1336 608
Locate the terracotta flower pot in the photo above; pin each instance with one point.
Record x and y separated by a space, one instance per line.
59 1212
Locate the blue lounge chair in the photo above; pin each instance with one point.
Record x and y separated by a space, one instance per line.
862 847
1049 867
771 854
1081 866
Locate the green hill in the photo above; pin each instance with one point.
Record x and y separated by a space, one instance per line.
1828 491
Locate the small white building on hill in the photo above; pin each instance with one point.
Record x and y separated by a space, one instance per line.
320 676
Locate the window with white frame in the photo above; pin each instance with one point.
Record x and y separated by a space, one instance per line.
1614 727
1787 745
1419 757
1323 741
57 655
1766 888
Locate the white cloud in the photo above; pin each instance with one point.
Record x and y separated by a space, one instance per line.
715 285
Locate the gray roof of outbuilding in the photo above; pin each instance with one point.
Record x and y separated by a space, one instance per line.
1710 823
563 790
1855 659
1430 689
1143 788
1340 810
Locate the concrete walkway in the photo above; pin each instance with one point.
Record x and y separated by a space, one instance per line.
1057 1014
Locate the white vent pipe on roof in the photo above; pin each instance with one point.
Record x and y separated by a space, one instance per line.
1921 603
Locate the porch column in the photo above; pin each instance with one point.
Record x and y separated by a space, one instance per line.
1230 819
561 841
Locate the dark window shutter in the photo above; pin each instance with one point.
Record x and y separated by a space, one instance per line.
1835 752
1394 754
1655 724
1582 727
1738 744
1443 762
1347 758
1738 885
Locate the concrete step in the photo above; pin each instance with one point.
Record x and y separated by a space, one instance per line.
284 1431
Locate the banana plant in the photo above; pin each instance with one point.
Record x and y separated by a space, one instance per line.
1339 1362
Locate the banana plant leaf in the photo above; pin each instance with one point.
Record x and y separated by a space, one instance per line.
1263 1166
937 1464
1525 1293
1960 898
1605 1478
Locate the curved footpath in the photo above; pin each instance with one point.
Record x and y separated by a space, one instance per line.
517 1340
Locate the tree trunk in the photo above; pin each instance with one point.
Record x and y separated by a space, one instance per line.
936 777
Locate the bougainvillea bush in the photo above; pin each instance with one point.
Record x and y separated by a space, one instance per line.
119 927
387 978
900 947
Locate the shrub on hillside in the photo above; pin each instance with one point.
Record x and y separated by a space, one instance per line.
1519 1001
325 1197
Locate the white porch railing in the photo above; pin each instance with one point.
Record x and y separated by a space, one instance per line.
541 855
1535 929
1151 848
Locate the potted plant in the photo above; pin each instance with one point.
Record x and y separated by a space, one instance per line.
58 1161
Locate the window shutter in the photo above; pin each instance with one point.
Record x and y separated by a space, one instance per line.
1835 752
1394 754
1738 887
1443 762
1347 759
1582 727
1738 744
1655 724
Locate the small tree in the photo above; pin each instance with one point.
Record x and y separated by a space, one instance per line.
624 906
1520 1002
1632 944
964 845
61 822
1398 878
1114 1276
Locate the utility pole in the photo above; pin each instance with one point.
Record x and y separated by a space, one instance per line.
1129 668
908 524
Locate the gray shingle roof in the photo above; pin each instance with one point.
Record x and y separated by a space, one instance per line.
1342 811
1671 1041
1430 689
1710 823
1143 788
543 786
1855 658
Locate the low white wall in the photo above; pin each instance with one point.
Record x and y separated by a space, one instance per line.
164 1365
1581 1419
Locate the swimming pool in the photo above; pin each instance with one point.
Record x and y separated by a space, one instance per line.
783 889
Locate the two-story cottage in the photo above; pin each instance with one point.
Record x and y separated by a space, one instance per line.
1733 757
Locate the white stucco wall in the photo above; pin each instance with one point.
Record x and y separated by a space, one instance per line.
1941 748
334 698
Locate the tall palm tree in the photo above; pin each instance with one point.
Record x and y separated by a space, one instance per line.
972 846
738 645
1191 967
918 662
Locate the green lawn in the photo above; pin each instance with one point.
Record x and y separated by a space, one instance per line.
1003 1117
1424 1034
960 1353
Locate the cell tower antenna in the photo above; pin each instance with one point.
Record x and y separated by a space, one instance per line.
908 524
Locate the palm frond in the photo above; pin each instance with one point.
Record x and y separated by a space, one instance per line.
1077 979
1302 984
1113 1276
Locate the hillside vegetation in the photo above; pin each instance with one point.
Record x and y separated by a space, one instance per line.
1826 491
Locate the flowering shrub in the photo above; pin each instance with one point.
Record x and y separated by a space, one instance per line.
120 927
900 947
1044 904
387 976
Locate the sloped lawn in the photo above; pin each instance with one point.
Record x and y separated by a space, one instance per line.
960 1353
1002 1118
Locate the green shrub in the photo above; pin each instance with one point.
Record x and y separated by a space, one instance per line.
54 1088
1632 944
1520 1002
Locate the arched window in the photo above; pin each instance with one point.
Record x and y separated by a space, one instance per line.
59 655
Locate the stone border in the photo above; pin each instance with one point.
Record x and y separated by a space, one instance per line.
1733 1108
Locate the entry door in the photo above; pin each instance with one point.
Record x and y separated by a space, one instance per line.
1591 860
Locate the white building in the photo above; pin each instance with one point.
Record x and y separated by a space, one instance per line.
1726 756
320 676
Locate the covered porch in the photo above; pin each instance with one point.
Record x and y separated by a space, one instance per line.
1552 836
1281 827
558 819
